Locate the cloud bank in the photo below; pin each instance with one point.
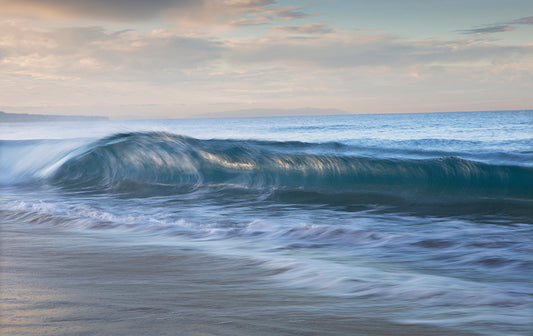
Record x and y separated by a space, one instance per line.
197 12
72 56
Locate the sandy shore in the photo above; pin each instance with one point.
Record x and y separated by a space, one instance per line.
58 282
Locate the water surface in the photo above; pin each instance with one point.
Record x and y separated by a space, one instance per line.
413 219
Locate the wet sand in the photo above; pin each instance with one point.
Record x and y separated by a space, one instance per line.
58 282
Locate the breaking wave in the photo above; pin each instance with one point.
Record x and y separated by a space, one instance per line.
135 161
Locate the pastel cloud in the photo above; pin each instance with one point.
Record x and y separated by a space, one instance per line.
166 55
77 51
350 50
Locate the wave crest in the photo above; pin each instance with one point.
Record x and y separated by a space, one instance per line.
182 162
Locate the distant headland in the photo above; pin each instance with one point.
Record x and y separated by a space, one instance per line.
25 117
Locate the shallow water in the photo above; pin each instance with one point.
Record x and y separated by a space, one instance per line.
413 219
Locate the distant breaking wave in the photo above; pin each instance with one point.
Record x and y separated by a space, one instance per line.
134 160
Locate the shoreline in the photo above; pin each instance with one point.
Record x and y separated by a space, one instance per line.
60 282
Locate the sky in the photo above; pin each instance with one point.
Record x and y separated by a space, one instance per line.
187 58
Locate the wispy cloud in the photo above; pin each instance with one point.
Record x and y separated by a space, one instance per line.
166 55
266 16
525 20
288 13
348 50
95 51
488 29
309 28
499 28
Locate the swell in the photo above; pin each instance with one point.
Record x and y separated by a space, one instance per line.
141 160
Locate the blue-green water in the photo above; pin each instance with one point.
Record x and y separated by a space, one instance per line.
415 218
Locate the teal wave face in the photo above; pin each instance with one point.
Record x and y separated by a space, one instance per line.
142 159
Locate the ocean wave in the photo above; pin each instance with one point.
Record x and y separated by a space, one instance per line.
136 161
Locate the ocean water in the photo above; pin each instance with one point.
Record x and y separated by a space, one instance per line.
416 219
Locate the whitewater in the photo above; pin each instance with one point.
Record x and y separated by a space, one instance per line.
416 220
